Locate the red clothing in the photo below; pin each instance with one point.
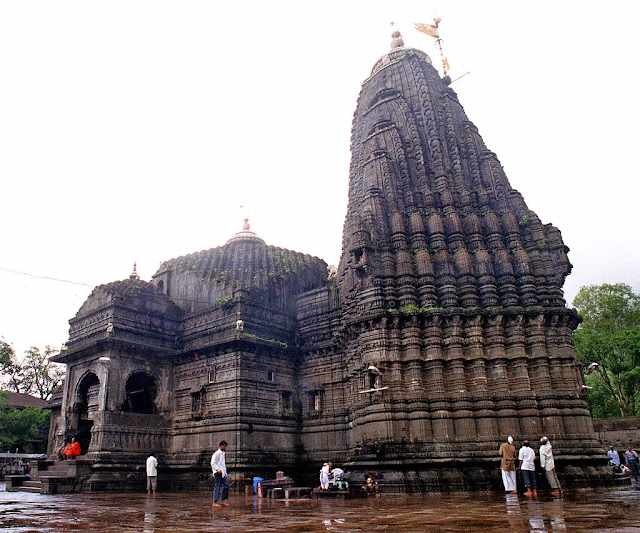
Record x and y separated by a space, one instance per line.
72 449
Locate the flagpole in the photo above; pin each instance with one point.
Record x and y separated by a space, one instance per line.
444 64
445 70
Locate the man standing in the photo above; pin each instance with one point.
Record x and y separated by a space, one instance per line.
527 456
508 464
633 463
548 465
152 474
324 476
220 482
614 456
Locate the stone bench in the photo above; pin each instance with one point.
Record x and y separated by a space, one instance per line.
297 492
12 483
276 493
55 484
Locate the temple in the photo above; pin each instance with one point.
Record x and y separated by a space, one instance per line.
443 330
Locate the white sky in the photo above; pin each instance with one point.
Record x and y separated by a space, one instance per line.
134 130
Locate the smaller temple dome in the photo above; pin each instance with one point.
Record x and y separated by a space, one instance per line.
131 292
245 235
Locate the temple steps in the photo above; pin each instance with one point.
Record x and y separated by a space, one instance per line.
31 486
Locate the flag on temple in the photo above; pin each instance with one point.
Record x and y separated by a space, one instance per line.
428 29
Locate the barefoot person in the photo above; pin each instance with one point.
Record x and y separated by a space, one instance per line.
548 465
527 456
220 481
152 474
508 464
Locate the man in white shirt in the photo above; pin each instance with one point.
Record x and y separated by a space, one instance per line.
152 474
527 456
548 465
220 481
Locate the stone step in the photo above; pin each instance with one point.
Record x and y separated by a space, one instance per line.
34 490
59 469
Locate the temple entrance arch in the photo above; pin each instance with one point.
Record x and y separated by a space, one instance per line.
87 403
140 394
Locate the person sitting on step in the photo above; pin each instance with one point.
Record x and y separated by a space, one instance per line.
72 450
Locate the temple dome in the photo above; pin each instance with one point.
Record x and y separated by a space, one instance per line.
131 292
245 261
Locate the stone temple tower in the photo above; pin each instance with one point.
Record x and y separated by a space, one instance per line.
451 291
443 330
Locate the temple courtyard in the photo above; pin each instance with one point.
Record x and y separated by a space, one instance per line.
601 510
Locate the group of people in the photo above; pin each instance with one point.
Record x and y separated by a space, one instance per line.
525 458
332 476
629 463
510 460
218 469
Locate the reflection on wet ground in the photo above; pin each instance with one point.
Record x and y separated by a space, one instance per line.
612 510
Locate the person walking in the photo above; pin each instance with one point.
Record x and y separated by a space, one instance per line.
527 456
548 465
152 474
508 464
220 481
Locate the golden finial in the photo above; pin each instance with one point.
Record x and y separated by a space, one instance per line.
396 38
134 273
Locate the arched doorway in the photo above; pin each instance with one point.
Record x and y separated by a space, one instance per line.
140 394
86 405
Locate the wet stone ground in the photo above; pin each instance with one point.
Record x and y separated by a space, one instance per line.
611 510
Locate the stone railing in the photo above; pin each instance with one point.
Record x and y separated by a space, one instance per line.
13 464
620 432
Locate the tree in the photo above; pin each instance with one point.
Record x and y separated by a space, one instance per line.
20 428
43 375
610 336
34 374
11 370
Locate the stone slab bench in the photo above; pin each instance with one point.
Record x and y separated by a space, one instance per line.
12 483
277 493
297 492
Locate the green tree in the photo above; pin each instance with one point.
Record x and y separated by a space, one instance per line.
13 377
610 336
21 427
34 374
43 375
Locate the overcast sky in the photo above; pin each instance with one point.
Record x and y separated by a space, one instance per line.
133 131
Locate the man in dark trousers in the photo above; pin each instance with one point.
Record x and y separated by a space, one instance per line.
527 456
220 480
